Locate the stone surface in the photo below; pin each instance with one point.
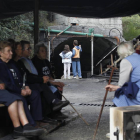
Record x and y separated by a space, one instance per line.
88 91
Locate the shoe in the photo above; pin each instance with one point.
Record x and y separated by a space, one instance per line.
108 135
60 104
17 134
74 77
80 77
59 116
69 78
32 131
49 120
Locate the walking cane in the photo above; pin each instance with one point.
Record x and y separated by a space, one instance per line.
113 68
75 109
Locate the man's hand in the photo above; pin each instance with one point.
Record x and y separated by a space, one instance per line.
28 90
59 84
2 86
112 87
45 79
23 92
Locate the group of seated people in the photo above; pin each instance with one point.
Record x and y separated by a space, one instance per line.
26 82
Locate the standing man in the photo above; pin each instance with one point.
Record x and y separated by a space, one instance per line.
76 66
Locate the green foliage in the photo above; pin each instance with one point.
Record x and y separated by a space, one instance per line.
15 28
18 29
131 27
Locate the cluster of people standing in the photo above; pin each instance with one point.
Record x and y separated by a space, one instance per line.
73 57
26 82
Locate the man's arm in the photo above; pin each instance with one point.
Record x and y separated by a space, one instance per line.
80 48
73 52
125 72
31 78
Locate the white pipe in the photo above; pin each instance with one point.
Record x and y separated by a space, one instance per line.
92 54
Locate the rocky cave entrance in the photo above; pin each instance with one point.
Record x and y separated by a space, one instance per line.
101 48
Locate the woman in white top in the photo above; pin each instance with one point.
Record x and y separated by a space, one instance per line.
66 59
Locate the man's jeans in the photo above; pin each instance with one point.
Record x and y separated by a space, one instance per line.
76 68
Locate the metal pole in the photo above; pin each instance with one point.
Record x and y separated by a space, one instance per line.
49 44
36 21
92 54
75 110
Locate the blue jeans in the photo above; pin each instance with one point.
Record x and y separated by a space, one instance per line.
76 68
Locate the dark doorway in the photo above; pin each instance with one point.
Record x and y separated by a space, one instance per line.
101 47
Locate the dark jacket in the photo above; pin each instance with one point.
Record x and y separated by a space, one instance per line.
43 66
31 78
129 89
7 77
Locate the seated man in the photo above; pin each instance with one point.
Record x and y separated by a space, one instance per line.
17 114
43 68
37 82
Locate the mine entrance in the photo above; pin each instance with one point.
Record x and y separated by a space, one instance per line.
101 48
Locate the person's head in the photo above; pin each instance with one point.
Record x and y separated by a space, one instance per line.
125 49
26 49
66 49
12 41
137 46
41 51
17 51
5 51
75 43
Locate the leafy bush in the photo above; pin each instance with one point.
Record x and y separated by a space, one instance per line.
19 27
131 27
15 28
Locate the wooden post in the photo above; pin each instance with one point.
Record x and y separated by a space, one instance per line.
36 21
113 68
111 59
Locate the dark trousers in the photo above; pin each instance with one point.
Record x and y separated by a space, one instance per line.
58 95
34 100
46 95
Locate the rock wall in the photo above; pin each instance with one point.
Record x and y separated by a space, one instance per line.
104 24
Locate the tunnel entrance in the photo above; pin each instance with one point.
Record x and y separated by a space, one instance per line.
101 48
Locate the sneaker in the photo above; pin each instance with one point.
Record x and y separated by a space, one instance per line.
80 77
108 135
60 104
69 78
30 131
74 77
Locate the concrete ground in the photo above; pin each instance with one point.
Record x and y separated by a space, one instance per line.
86 91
